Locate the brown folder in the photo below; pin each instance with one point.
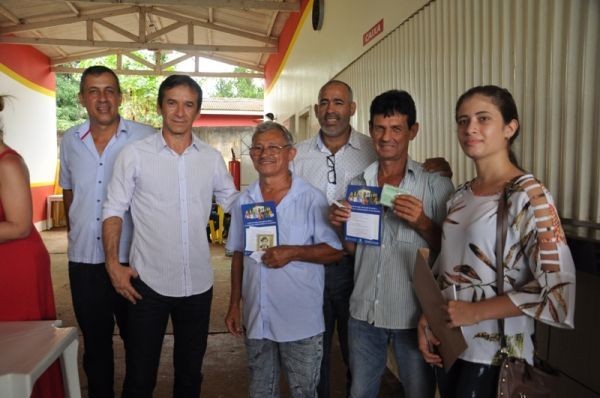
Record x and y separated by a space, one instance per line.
452 341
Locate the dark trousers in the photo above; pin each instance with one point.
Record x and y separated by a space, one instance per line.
148 322
97 305
339 281
468 379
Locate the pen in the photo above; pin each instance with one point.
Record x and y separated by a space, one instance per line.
338 204
430 346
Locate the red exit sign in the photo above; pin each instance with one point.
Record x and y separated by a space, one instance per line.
373 32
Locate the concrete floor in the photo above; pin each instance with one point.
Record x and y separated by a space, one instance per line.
225 372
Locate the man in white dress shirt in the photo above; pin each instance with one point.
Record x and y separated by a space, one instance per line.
168 180
329 160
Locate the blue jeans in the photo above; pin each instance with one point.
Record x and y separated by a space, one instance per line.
97 306
299 359
147 325
468 379
339 281
368 354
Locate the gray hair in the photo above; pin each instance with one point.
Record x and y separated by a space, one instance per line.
268 126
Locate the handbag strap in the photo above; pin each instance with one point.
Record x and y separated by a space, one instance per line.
501 230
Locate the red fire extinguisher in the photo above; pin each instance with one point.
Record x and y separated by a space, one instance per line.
234 169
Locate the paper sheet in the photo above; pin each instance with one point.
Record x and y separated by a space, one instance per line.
452 341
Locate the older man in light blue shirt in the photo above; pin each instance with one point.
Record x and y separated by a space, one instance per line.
282 290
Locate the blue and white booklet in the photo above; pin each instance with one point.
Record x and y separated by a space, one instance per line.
260 225
365 222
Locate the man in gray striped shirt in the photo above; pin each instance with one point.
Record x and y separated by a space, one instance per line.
383 306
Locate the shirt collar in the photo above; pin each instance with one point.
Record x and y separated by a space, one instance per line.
84 129
298 186
353 141
370 173
161 144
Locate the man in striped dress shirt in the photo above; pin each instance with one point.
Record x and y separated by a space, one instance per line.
383 306
168 180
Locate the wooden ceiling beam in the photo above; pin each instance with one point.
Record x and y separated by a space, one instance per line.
9 15
228 61
215 27
80 56
117 29
141 60
234 4
165 30
53 22
161 72
135 46
72 8
176 61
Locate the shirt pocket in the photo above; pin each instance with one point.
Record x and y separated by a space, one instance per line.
401 232
295 229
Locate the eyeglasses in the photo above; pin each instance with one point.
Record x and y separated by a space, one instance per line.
270 150
331 177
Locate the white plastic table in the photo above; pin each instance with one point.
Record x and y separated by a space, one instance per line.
28 348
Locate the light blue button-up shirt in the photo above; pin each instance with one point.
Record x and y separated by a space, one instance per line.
285 304
170 195
87 174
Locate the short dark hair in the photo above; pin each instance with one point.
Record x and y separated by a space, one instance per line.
504 101
97 70
179 80
392 102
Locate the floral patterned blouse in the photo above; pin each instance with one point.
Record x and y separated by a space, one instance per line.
539 273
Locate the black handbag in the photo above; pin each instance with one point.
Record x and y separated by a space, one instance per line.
517 379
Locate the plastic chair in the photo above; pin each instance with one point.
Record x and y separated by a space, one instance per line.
29 348
216 233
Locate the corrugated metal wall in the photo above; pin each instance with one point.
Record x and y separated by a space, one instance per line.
545 52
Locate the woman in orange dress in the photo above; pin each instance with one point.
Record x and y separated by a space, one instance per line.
25 282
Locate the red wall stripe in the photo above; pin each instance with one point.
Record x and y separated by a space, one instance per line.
287 34
38 195
28 63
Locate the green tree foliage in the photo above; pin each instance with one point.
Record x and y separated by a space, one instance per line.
239 87
68 110
139 93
